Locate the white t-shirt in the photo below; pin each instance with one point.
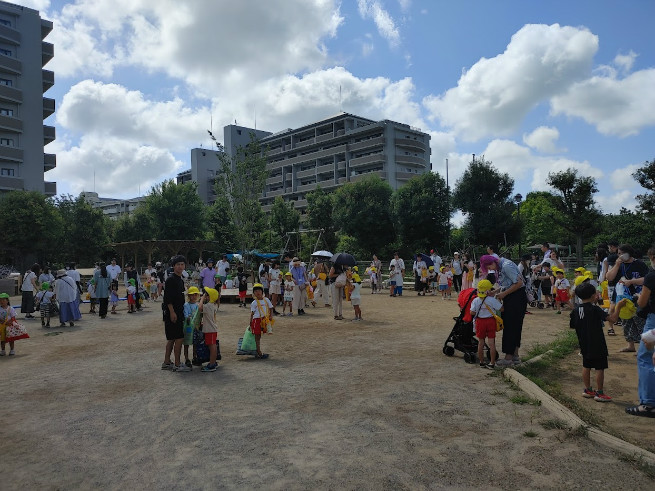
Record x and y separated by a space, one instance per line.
114 271
73 273
562 284
263 304
437 261
484 313
27 281
443 277
357 291
222 267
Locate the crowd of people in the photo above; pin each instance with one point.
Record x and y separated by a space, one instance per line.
618 291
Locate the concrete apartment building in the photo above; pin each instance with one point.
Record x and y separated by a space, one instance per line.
23 81
113 208
343 148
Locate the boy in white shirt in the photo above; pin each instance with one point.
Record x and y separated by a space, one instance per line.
483 309
562 287
209 308
356 296
261 315
444 276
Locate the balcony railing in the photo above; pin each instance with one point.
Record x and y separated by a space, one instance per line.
9 35
50 188
49 161
48 107
11 153
48 78
10 123
11 183
48 134
47 52
11 65
11 94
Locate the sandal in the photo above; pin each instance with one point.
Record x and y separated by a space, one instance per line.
263 356
627 350
641 410
610 332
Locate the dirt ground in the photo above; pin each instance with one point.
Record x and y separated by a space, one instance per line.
339 404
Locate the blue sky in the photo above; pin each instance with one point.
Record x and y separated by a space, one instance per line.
534 86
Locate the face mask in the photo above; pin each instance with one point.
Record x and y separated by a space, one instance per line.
652 264
625 256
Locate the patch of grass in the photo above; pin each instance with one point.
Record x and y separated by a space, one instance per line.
530 434
554 424
564 345
579 432
497 392
638 462
524 399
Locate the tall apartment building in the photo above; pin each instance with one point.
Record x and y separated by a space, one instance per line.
343 148
113 208
23 81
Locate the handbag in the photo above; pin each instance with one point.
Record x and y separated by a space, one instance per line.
340 282
499 320
16 331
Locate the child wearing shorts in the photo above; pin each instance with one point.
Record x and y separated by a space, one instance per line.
483 308
432 278
356 296
91 290
45 299
113 295
242 279
131 296
588 321
209 309
261 311
562 286
443 282
190 307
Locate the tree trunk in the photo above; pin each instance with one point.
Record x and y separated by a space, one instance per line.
578 249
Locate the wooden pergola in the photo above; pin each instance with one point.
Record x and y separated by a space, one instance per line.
168 247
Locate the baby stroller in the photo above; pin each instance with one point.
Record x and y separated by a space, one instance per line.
462 337
533 297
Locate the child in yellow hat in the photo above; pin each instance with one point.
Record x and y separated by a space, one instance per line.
562 286
209 309
356 296
261 316
483 308
190 307
288 293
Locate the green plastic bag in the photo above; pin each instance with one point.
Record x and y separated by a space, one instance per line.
248 343
196 320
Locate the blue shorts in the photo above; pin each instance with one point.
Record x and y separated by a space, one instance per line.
392 283
443 288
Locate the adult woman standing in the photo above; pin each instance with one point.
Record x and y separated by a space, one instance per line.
337 291
419 264
646 356
46 276
321 271
555 261
102 281
66 292
468 269
29 287
515 302
377 264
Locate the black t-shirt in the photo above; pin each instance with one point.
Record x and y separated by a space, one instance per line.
649 282
631 271
243 281
174 294
587 320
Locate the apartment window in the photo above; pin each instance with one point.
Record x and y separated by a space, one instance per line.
7 82
6 52
7 172
7 142
5 22
6 112
238 132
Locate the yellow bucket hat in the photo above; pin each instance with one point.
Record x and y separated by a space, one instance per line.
580 269
483 287
356 278
580 279
213 294
373 269
193 291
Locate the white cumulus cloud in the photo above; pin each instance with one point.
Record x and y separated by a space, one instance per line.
373 9
494 95
543 139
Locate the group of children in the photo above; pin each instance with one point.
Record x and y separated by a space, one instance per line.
113 296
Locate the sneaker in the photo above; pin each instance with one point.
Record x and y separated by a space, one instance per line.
516 360
12 352
188 363
598 397
483 364
182 368
167 366
209 367
589 393
490 366
502 363
289 314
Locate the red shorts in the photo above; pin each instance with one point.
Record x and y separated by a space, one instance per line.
242 295
256 326
210 338
485 327
130 300
562 296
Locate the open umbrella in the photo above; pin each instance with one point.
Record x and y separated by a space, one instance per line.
344 259
428 261
326 254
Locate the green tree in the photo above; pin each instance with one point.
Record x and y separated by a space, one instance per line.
137 226
484 195
361 210
221 225
176 211
634 228
283 218
645 176
574 202
538 226
240 182
84 232
30 227
320 205
421 213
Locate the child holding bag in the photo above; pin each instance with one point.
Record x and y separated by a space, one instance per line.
261 315
209 308
7 318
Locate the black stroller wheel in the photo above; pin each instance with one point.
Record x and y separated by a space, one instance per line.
541 305
448 350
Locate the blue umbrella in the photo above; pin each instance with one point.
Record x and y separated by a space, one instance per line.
426 258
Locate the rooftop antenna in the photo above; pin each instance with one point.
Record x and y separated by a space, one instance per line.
94 180
255 110
340 106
